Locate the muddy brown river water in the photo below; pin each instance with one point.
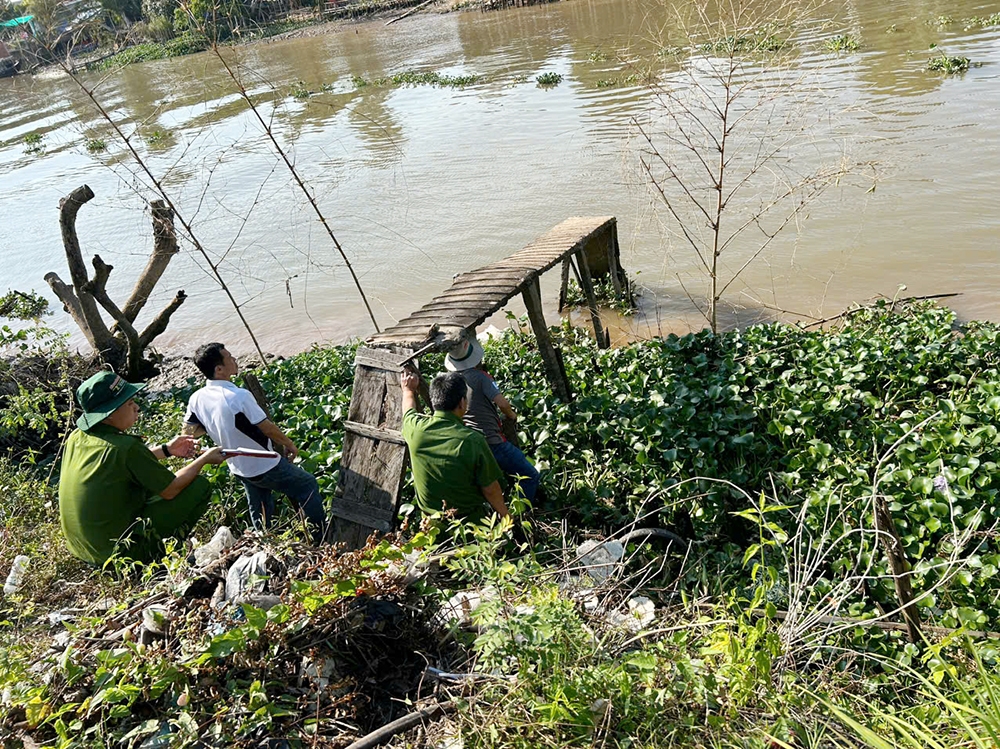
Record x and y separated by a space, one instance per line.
422 182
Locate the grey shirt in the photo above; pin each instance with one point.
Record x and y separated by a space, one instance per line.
482 414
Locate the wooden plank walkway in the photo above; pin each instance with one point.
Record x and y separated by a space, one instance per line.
374 460
476 295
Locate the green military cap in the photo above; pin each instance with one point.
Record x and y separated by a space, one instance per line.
101 395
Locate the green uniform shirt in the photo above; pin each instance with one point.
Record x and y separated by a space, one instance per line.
451 463
107 479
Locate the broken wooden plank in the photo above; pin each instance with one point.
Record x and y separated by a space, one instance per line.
377 359
374 433
363 514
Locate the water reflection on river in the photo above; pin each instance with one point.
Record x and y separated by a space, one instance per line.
420 183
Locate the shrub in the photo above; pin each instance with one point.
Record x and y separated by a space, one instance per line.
160 29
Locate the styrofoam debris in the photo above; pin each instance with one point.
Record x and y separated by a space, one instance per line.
600 559
461 606
641 612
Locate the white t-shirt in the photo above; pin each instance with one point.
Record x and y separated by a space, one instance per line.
230 416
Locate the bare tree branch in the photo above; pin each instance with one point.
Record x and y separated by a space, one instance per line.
159 323
164 248
94 328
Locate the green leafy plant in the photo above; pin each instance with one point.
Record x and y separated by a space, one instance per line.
948 65
983 22
548 79
605 292
96 145
765 39
417 78
33 143
185 44
843 43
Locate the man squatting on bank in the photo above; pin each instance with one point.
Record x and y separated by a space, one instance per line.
114 496
232 418
486 403
452 465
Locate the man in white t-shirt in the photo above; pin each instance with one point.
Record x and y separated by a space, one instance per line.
232 418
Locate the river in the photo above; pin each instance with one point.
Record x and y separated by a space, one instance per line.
422 182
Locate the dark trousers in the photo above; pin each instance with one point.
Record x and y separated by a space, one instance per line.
298 485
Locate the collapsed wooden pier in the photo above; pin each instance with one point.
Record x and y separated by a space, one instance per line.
374 458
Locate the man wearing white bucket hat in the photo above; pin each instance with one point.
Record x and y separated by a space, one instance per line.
486 404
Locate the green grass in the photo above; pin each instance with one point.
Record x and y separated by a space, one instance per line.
803 421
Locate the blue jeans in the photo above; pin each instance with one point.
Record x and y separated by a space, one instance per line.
298 485
517 467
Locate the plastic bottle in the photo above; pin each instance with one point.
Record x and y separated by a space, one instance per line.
16 576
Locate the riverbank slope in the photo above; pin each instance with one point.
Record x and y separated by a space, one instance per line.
765 450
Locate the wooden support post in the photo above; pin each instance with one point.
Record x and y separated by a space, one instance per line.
588 290
900 569
563 284
252 384
613 268
553 368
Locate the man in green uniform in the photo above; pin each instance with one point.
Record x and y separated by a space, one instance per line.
453 467
114 495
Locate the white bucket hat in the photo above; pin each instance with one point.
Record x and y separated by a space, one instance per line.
465 355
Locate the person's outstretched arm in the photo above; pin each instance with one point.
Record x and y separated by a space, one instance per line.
409 381
494 495
181 446
184 477
274 433
505 408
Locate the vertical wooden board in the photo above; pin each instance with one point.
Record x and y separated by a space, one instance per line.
614 262
366 398
372 470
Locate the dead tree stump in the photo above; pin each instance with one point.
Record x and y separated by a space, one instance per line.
121 345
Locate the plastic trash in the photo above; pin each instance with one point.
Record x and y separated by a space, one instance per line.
16 577
162 739
155 619
238 586
461 606
222 540
641 613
